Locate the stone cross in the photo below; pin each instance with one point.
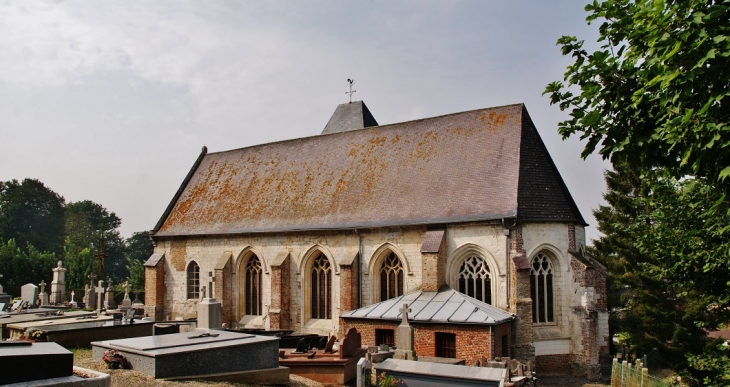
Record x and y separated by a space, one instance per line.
405 309
43 286
99 290
109 281
92 278
126 287
202 291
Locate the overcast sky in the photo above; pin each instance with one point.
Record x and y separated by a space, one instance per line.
113 101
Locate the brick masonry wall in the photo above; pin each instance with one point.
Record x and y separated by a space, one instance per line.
554 364
472 342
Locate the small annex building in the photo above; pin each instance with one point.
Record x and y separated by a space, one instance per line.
464 217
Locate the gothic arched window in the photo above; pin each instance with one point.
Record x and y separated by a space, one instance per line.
541 289
391 278
253 286
474 279
321 306
193 274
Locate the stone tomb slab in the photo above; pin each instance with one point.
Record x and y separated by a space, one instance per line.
422 374
81 335
26 363
196 353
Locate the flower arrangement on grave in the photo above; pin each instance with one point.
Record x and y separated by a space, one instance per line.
388 381
34 334
114 359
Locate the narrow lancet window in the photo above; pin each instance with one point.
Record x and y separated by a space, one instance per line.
541 290
391 278
253 286
321 302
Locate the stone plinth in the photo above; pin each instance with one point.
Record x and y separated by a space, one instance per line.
58 285
436 375
196 353
209 314
21 363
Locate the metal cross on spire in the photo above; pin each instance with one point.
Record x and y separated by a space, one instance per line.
351 82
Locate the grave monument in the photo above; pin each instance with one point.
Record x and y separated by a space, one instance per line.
109 301
29 294
99 290
58 284
203 354
73 302
43 296
90 295
209 310
126 302
404 338
4 297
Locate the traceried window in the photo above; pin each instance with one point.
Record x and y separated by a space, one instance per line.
474 279
193 281
391 278
321 288
253 286
541 290
445 345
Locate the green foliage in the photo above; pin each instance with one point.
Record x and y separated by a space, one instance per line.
139 248
655 93
653 100
20 266
31 214
86 222
646 312
712 365
80 263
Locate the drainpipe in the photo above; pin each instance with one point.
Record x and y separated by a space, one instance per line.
506 232
491 347
359 269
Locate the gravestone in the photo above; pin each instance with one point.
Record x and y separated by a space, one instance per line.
126 302
99 290
330 344
29 293
22 363
4 297
90 296
109 302
209 311
351 344
43 296
73 302
196 353
405 340
58 284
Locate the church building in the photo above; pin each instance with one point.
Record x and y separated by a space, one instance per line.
463 217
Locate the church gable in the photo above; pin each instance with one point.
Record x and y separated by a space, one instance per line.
454 168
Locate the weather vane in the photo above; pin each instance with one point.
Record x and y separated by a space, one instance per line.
351 82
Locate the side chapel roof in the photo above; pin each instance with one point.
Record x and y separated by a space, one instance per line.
477 165
445 306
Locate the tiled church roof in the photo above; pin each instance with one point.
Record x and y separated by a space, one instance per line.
472 166
445 306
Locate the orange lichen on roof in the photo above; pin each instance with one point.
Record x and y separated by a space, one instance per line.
453 167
